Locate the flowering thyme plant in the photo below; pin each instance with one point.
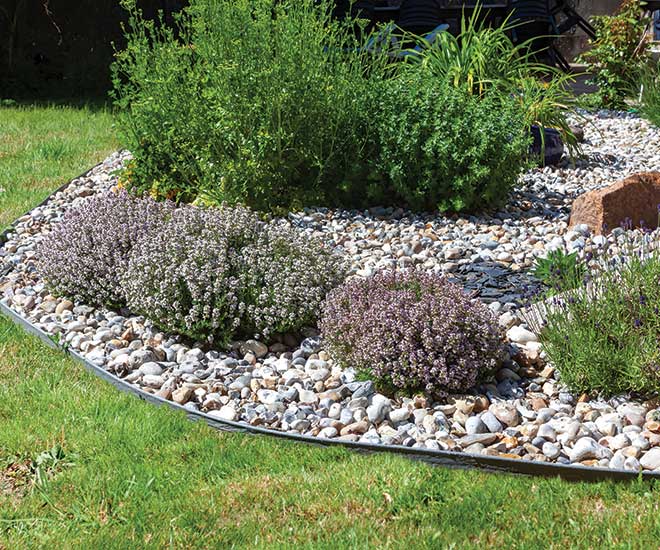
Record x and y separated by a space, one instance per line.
84 256
220 273
411 330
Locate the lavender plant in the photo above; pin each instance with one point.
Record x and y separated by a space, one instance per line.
603 335
85 254
411 331
217 274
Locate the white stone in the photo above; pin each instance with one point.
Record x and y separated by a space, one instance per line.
226 412
520 335
586 448
651 459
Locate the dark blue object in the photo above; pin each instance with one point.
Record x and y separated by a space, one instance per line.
420 16
550 149
656 25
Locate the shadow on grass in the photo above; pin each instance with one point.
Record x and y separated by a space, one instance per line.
94 103
14 93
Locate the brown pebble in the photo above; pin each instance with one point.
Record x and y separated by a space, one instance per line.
355 428
481 403
510 442
182 395
64 305
653 426
538 403
165 393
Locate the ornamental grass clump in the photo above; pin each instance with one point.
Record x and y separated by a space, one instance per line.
650 95
221 273
411 331
84 256
603 336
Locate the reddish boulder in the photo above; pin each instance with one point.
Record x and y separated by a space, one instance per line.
636 198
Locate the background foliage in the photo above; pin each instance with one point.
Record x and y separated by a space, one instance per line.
619 53
279 107
63 48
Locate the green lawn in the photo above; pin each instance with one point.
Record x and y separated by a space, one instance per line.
41 147
130 475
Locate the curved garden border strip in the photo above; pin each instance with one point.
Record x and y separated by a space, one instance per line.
451 459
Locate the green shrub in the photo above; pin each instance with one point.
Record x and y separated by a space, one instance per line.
443 147
650 95
278 107
560 270
248 101
604 336
482 58
618 53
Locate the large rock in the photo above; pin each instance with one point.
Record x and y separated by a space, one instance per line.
635 198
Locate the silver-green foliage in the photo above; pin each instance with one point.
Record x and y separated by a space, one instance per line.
603 336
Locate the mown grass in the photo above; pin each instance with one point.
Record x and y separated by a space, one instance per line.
145 477
44 145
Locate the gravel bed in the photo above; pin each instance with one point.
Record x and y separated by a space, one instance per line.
522 412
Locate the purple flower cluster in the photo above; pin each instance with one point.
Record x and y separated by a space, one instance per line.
411 330
86 253
284 278
221 273
210 274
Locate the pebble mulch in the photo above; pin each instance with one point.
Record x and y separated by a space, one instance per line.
523 412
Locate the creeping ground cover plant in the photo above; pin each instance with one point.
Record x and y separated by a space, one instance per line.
411 331
212 274
220 273
84 255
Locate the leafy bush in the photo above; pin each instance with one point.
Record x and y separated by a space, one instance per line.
442 147
651 95
560 270
280 107
411 330
483 58
220 273
84 255
618 53
248 101
603 336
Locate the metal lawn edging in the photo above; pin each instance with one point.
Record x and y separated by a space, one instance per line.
451 459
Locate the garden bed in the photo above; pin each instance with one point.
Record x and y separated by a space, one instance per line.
523 413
